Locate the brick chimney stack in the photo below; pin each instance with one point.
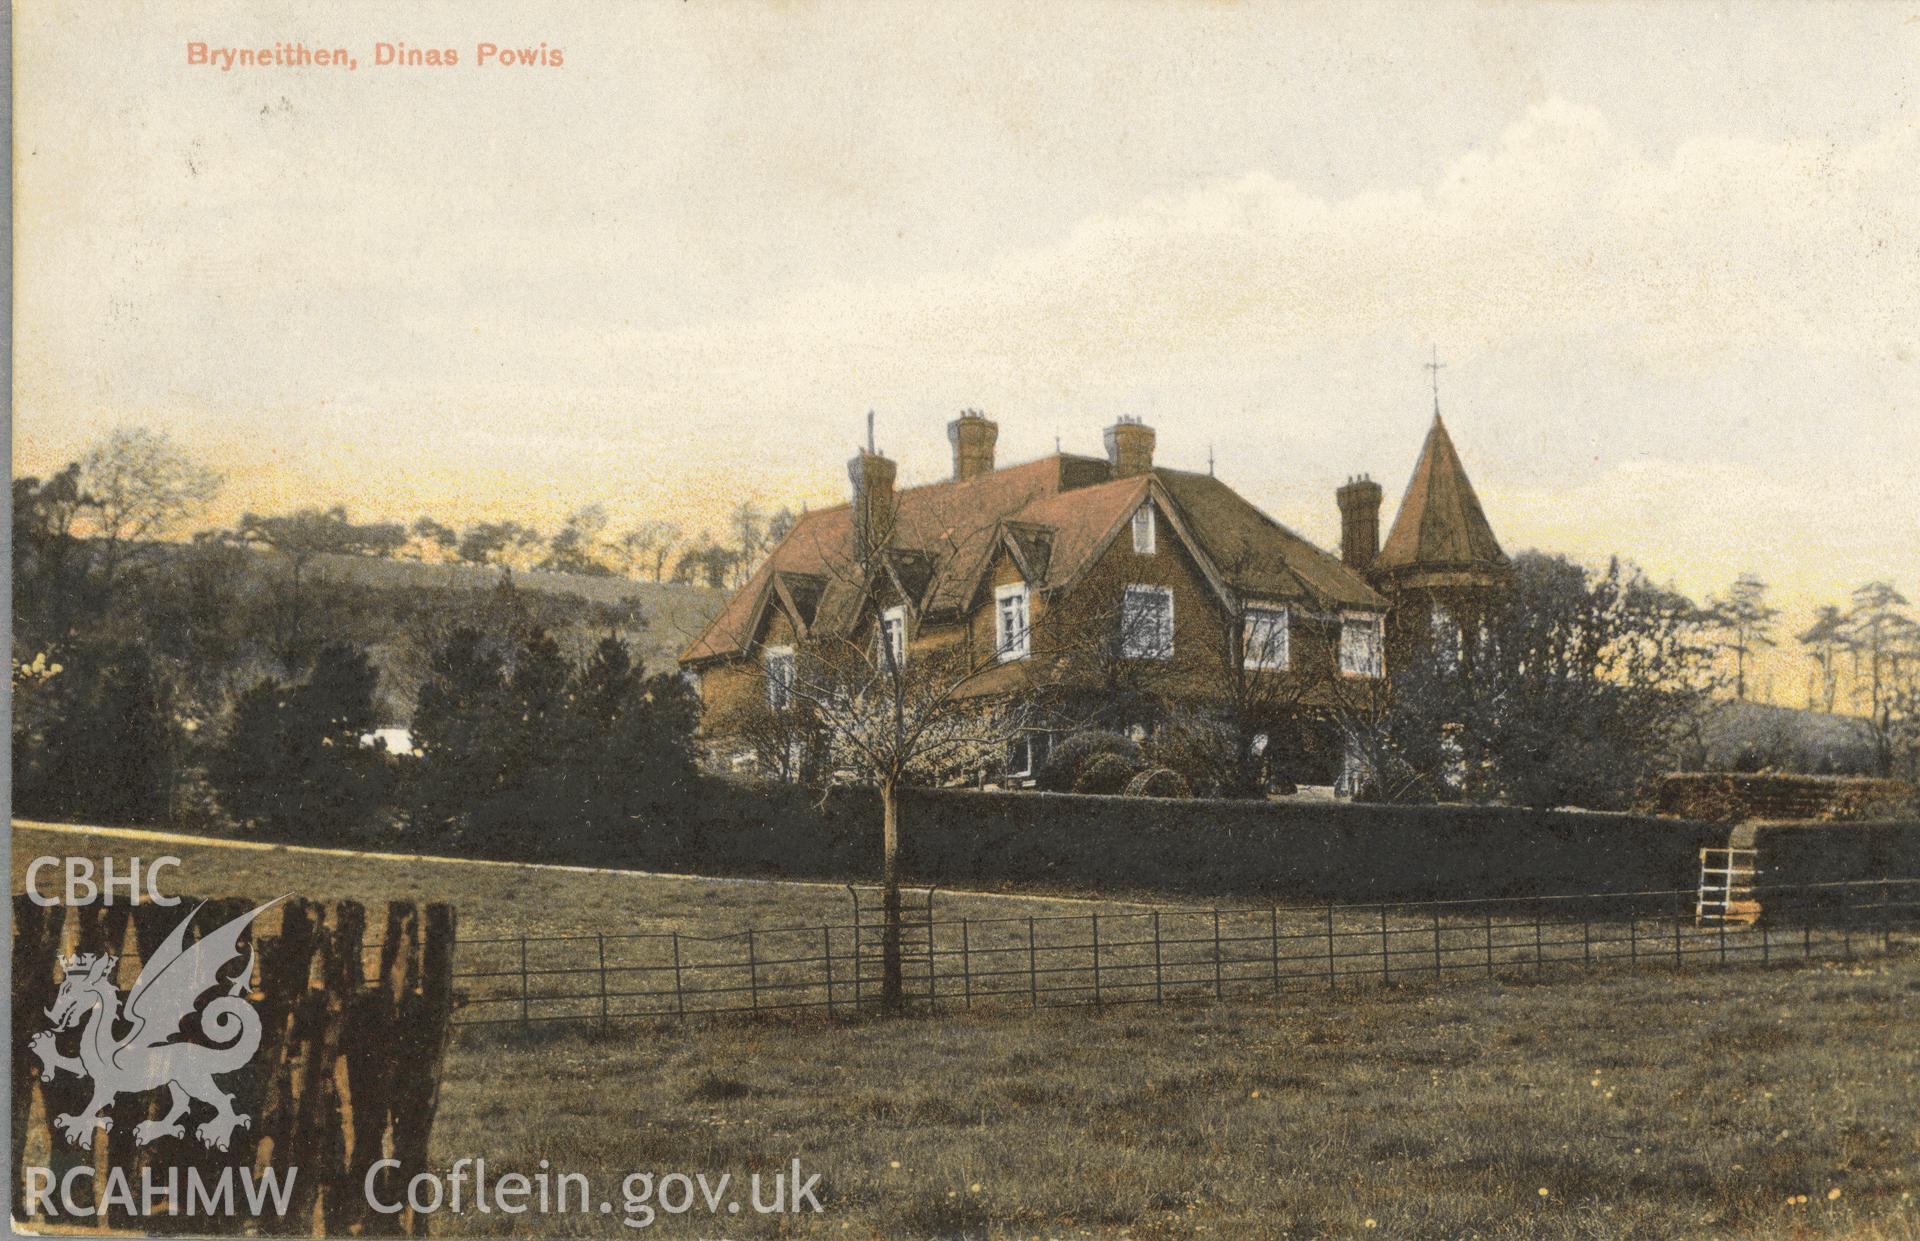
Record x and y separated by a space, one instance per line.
972 435
1359 522
1129 447
872 476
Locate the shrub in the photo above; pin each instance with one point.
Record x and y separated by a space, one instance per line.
1071 756
1159 782
1107 773
1205 752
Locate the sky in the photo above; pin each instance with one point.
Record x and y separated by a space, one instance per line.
1669 254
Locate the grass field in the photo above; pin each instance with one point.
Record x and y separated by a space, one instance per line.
496 899
1655 1104
1779 1102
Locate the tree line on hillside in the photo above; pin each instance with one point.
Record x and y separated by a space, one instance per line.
1865 656
150 674
585 543
158 681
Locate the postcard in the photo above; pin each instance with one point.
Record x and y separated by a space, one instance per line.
973 620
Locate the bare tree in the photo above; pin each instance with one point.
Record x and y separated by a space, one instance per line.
77 531
893 712
142 486
706 563
647 548
579 544
432 537
505 543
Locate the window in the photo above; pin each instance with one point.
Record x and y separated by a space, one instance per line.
1143 531
1146 623
892 637
1360 644
1266 638
1026 752
1445 634
779 663
1012 636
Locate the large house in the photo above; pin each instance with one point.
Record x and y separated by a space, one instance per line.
1139 588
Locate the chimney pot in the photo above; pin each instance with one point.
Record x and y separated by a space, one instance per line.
1359 522
872 476
972 435
1129 447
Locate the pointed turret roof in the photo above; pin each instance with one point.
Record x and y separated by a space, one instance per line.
1441 525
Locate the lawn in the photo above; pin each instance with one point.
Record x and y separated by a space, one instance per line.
1653 1103
1744 1102
495 899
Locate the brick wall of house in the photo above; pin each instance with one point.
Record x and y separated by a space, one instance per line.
1078 621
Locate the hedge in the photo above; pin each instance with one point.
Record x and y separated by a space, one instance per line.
1206 849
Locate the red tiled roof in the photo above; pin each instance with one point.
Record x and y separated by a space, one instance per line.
1059 512
1440 523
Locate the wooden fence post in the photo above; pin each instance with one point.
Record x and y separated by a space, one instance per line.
1489 917
1436 944
1386 949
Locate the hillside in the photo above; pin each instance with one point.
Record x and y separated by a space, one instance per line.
1750 736
674 613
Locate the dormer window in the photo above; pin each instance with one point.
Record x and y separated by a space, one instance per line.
892 637
1143 530
1012 630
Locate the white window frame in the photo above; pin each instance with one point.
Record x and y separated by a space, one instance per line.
896 617
1009 646
1148 527
1371 621
1128 649
1262 662
1024 745
779 689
